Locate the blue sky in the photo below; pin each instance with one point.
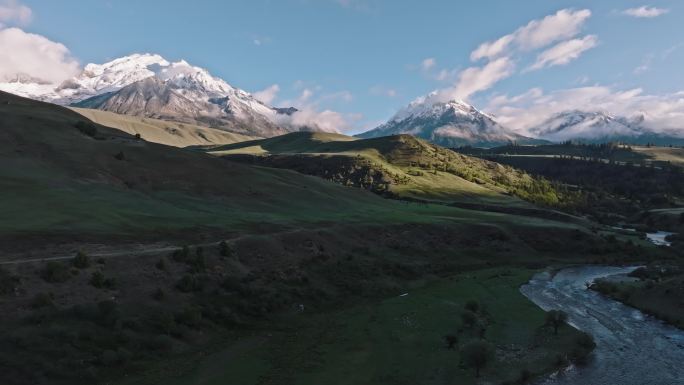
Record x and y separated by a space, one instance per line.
367 58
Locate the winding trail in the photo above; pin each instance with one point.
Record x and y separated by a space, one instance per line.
632 348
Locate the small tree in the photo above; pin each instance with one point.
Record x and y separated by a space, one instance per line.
181 255
451 341
97 279
225 250
469 318
55 272
556 318
477 354
473 306
81 260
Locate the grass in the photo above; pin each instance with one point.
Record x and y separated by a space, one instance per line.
399 340
399 165
658 291
162 131
55 179
671 155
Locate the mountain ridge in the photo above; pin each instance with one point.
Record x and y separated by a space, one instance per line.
601 127
450 124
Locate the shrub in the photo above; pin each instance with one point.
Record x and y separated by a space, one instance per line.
97 279
41 300
8 281
56 272
81 260
469 318
451 341
477 354
181 255
556 318
189 283
225 250
473 306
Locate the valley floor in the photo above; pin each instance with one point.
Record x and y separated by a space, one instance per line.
399 340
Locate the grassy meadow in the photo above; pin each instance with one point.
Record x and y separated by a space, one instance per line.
398 340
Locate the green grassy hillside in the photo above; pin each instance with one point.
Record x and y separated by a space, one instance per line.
129 307
399 166
60 173
162 131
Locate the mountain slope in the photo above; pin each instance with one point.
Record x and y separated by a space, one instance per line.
63 176
450 124
190 94
163 131
600 127
398 165
150 86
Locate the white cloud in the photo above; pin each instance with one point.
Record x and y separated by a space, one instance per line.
23 53
645 12
383 91
260 40
564 52
476 79
309 117
500 54
268 95
11 11
312 116
562 25
645 65
663 113
428 64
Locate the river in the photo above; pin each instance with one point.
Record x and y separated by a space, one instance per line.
631 348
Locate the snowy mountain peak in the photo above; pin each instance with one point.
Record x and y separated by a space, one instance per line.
452 123
587 125
428 105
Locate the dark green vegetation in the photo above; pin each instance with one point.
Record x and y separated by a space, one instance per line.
68 184
657 289
607 152
399 340
399 166
617 184
57 179
69 330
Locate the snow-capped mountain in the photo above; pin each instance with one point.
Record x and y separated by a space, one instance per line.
150 86
449 124
600 127
95 79
184 93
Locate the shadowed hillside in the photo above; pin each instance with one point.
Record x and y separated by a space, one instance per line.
163 131
401 166
62 173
